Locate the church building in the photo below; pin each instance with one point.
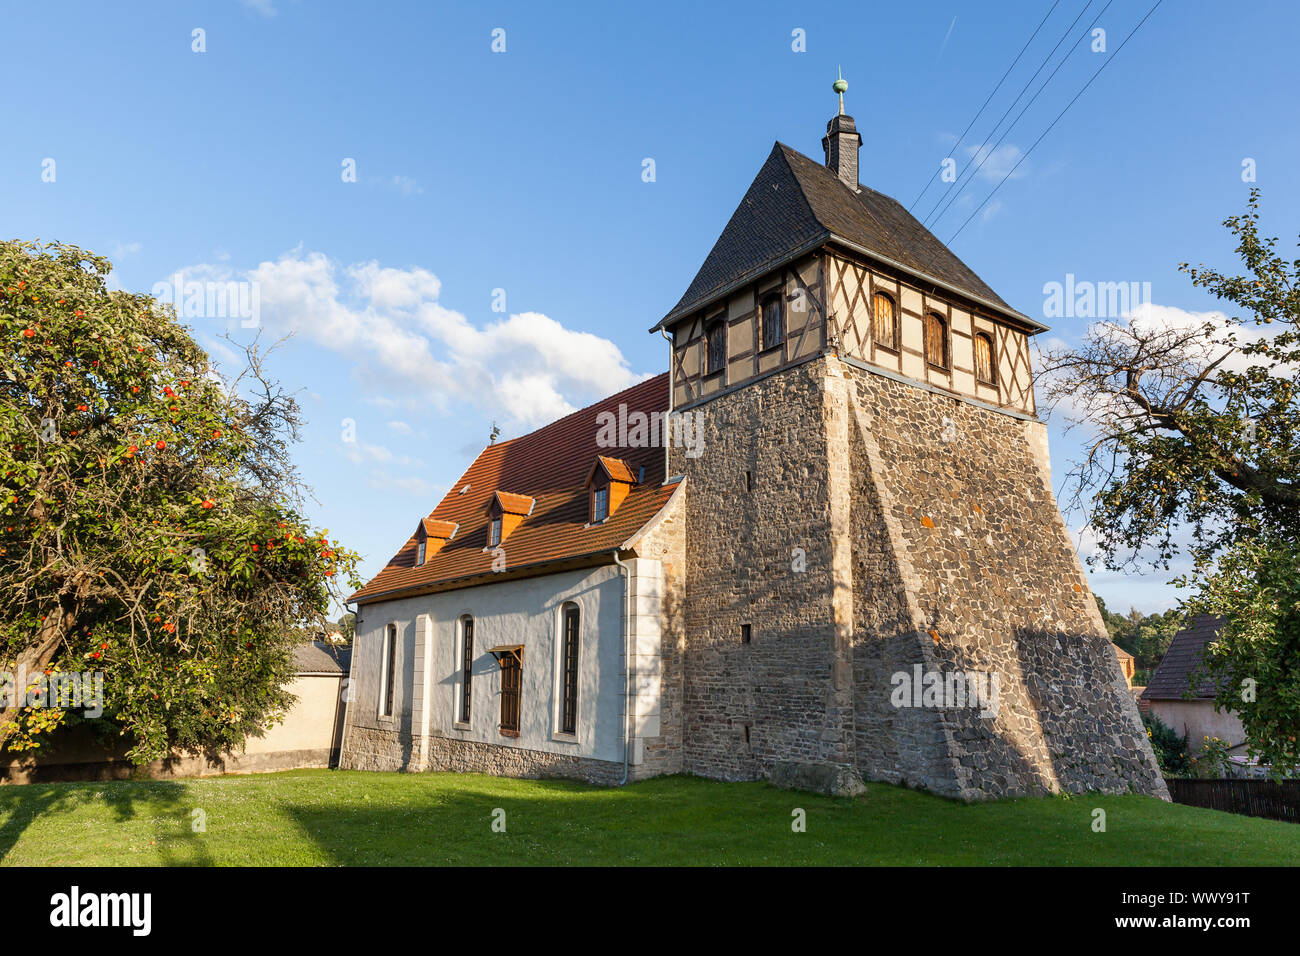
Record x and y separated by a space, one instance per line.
822 547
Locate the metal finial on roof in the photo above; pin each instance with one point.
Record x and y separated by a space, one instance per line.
839 86
495 432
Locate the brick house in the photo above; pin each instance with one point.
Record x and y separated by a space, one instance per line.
732 569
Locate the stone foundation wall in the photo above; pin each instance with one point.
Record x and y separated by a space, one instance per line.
470 756
365 748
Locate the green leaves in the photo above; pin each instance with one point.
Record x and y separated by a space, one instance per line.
114 431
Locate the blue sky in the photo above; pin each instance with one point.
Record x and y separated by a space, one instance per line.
521 171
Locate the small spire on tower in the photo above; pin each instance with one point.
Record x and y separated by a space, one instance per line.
842 141
839 86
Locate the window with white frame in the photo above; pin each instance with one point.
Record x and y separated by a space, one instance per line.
388 671
466 668
570 638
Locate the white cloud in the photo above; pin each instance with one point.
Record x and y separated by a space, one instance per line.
401 428
265 7
406 185
412 351
362 452
997 163
410 484
1149 317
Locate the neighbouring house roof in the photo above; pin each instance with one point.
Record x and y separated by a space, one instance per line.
1121 653
550 466
1183 658
318 658
795 205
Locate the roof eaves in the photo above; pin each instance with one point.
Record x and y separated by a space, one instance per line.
412 589
1003 310
723 291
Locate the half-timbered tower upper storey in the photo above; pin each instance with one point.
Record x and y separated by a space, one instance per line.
814 262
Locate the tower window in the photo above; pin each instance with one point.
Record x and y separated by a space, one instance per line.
985 371
773 321
884 321
717 347
746 633
936 339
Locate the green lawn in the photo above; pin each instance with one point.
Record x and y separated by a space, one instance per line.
321 817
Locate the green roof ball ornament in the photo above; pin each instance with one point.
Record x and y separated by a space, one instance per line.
839 86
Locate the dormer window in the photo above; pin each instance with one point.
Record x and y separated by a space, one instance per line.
505 512
430 536
608 483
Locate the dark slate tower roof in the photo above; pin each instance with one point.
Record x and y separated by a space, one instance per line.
795 205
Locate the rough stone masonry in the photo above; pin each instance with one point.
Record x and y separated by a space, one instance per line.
844 527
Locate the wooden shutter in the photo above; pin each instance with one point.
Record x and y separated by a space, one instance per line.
936 340
984 370
511 679
885 327
717 342
773 322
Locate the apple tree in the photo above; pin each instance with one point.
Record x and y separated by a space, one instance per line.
151 522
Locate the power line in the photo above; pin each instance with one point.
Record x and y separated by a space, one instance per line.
1007 132
1023 90
1103 66
1055 4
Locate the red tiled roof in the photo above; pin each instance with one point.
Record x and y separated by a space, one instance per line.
550 466
618 469
439 529
513 504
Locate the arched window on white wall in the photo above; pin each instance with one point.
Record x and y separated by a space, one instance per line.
466 655
570 646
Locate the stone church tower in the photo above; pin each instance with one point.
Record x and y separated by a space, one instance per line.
870 528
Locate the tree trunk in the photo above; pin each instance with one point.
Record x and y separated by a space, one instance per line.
33 660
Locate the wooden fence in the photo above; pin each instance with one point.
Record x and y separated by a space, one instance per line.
1253 798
